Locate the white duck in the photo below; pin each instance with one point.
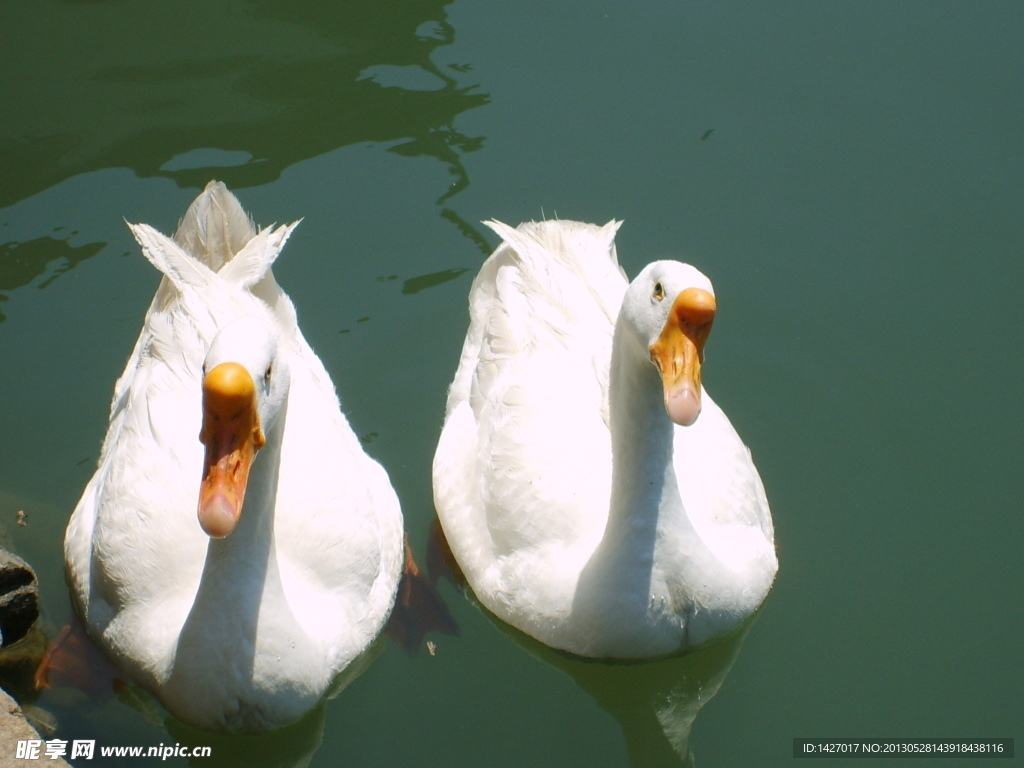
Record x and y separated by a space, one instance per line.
243 619
591 492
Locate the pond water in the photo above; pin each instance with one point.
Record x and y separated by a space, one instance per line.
850 176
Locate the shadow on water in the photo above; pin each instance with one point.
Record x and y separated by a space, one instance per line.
22 263
248 89
290 747
654 702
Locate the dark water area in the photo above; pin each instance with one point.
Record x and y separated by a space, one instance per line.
850 176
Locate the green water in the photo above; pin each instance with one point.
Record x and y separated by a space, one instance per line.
851 177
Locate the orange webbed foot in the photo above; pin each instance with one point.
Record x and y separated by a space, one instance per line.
419 608
72 660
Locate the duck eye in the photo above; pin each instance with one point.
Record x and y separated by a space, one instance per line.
659 291
266 375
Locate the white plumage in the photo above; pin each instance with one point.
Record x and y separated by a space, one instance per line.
249 631
577 509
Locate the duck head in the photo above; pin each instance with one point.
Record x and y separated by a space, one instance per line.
245 388
671 307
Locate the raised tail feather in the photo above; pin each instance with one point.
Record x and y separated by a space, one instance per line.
215 227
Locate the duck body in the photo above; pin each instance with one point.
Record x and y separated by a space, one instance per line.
244 620
578 506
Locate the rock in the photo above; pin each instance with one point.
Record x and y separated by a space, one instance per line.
14 728
19 598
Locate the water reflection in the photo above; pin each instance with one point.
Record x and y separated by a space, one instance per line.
21 263
654 702
422 282
290 747
248 89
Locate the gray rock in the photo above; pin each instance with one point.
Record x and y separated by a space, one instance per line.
19 598
14 728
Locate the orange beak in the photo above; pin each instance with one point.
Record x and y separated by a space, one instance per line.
232 435
679 353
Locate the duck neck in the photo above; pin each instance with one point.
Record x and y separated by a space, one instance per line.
247 556
614 592
643 476
241 574
239 611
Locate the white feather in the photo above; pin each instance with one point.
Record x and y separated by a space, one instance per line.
523 472
250 632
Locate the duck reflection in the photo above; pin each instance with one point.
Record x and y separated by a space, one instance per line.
654 701
290 747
